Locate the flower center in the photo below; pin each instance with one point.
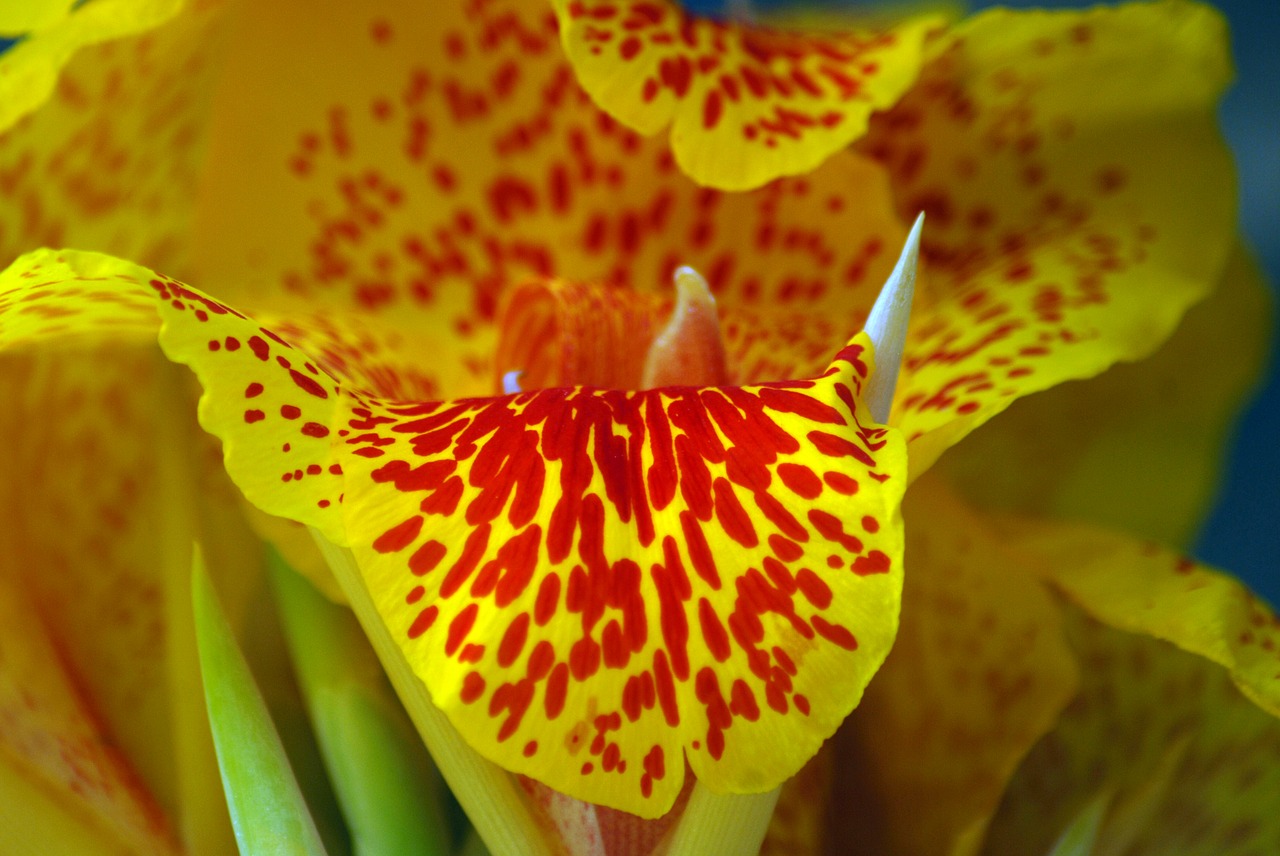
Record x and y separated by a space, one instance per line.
554 333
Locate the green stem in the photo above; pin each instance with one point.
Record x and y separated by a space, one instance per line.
488 794
385 783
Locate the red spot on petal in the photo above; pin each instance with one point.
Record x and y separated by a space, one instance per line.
875 562
423 622
399 537
814 589
472 687
460 627
713 632
836 633
513 640
800 480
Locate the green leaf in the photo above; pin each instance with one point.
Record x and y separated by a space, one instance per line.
1081 834
387 787
267 809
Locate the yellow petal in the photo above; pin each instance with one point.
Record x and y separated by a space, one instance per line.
118 93
1112 450
43 300
111 480
82 508
35 820
700 504
1079 199
18 17
746 103
1139 587
978 674
615 733
1188 761
486 530
50 738
796 828
441 158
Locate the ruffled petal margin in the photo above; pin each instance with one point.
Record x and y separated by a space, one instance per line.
639 575
746 103
1078 199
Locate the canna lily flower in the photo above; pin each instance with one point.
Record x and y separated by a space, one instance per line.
357 213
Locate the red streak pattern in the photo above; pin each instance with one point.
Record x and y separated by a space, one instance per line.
592 580
628 575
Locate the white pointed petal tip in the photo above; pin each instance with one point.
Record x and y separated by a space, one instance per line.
887 325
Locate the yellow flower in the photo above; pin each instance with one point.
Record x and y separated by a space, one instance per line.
360 208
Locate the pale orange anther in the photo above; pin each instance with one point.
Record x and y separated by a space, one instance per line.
689 351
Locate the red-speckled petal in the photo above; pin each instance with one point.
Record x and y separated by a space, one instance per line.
103 125
1184 762
253 379
435 162
273 406
746 103
596 585
979 673
1110 451
43 299
1078 199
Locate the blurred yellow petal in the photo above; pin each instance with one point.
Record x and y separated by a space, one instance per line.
81 504
18 17
1189 762
1078 194
978 674
43 301
107 463
796 828
35 819
115 98
1138 448
50 737
746 103
1139 587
